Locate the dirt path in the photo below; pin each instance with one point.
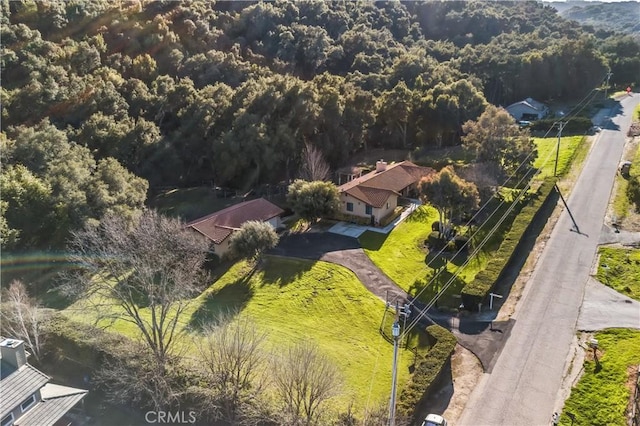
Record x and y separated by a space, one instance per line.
466 371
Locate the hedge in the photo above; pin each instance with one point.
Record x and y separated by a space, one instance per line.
577 125
427 371
477 290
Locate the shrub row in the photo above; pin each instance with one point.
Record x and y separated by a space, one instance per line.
358 220
391 216
476 291
427 370
577 125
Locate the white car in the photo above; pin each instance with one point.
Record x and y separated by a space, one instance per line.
434 420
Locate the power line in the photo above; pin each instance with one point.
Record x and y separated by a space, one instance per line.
580 106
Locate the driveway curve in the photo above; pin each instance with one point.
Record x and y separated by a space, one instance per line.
480 334
344 251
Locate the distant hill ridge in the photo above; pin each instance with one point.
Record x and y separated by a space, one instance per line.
621 17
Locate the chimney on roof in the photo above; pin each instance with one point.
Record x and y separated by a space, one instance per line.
12 351
381 166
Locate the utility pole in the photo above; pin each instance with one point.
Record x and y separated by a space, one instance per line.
609 74
395 331
555 166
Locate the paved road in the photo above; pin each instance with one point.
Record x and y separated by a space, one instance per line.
521 389
603 307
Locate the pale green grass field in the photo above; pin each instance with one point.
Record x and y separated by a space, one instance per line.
547 154
293 300
402 256
600 396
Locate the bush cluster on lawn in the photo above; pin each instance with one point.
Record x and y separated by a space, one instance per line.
427 370
477 290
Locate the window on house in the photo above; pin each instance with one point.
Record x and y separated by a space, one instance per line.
28 403
368 209
8 420
387 205
349 207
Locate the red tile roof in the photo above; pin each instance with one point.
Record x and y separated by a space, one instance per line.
375 188
219 225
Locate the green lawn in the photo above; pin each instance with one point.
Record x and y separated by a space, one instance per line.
622 271
294 299
621 204
402 255
547 154
601 397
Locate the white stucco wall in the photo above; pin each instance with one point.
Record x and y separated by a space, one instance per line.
359 207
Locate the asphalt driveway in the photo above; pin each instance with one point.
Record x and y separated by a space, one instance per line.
345 251
478 333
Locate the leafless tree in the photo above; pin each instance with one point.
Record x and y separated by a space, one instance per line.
22 318
304 381
232 355
314 166
150 269
136 378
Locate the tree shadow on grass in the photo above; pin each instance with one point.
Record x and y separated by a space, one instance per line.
283 270
435 260
230 299
435 283
421 214
371 240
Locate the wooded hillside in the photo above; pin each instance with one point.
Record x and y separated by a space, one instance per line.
102 99
622 17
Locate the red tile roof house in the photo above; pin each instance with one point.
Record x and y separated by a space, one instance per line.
219 226
26 396
375 195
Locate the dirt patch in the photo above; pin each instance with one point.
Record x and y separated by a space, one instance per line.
466 371
574 367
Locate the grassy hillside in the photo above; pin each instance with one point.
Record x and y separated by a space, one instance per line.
602 394
293 299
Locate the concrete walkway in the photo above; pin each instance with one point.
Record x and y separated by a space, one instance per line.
603 307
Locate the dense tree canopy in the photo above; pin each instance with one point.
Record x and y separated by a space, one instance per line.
182 93
449 194
313 200
496 139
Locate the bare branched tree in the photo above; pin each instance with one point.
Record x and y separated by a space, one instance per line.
314 166
150 269
22 318
233 358
304 380
139 380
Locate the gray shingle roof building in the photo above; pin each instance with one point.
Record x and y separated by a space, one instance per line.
26 396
